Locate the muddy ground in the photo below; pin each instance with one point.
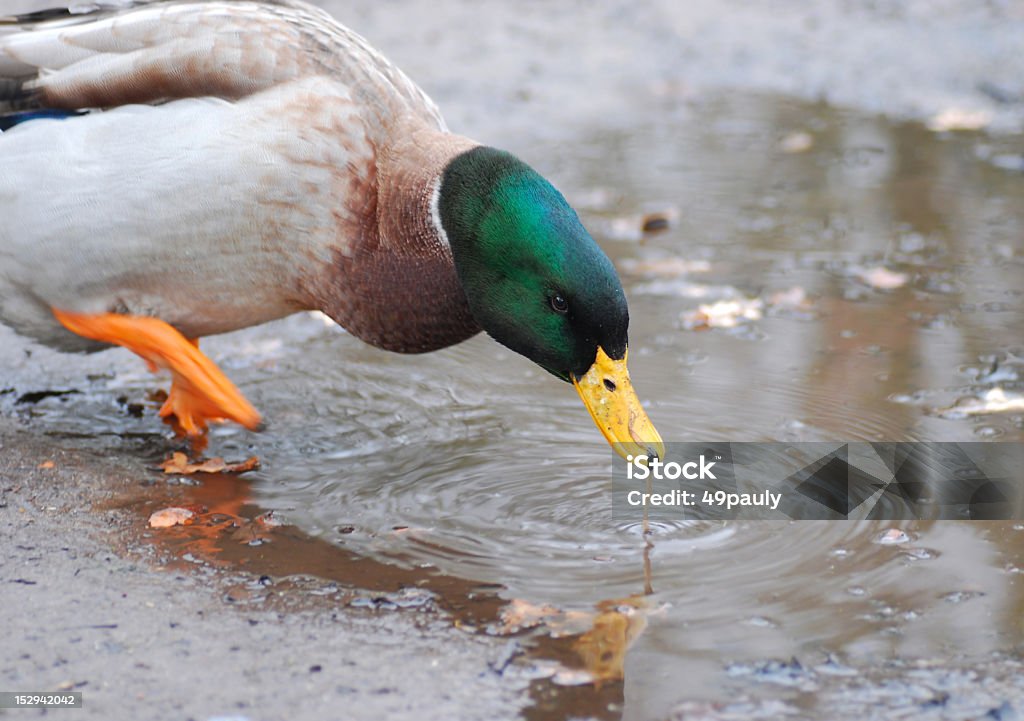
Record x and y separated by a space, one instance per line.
141 640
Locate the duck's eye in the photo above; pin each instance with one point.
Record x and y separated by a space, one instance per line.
559 304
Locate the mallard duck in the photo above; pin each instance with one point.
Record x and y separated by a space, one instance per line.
179 169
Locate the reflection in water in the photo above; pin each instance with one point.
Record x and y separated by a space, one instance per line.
510 483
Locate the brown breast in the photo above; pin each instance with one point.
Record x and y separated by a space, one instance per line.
394 283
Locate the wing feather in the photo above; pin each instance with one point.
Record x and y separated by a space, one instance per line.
179 49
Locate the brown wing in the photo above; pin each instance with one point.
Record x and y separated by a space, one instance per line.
158 51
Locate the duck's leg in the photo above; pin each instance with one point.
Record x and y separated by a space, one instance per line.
200 392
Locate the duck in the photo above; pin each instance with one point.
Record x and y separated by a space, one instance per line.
178 169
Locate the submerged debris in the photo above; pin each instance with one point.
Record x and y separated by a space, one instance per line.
892 537
259 530
600 638
995 400
175 516
603 648
733 312
520 615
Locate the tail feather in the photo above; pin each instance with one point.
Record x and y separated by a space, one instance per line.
72 14
10 120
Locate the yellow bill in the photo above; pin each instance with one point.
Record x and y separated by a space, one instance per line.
612 402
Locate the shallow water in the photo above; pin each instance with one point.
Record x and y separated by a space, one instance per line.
499 476
476 462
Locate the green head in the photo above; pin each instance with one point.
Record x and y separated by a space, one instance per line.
534 278
538 283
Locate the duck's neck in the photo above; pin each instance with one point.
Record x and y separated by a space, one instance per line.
398 286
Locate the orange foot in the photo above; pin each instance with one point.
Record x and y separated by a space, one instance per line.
200 392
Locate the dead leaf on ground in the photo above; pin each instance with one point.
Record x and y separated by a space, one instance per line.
794 298
175 516
959 119
179 463
723 314
881 278
798 142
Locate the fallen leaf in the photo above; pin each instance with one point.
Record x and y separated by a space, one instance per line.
259 529
893 537
564 676
178 463
603 648
167 517
723 314
798 142
881 278
46 464
794 298
959 119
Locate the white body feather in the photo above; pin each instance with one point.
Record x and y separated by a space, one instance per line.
199 212
212 213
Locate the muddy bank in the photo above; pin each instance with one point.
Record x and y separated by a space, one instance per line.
143 640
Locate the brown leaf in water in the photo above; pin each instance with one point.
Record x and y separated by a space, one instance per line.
603 648
258 529
520 615
655 222
167 517
178 463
